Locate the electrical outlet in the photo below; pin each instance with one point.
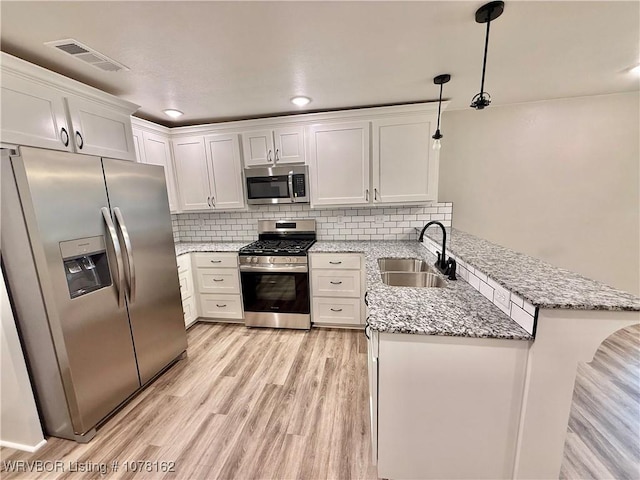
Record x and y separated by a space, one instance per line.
379 218
201 222
340 219
502 297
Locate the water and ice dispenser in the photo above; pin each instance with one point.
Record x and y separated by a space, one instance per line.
85 265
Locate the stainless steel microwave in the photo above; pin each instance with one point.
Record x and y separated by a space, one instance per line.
286 184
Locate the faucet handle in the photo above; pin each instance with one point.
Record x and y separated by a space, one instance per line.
438 260
451 269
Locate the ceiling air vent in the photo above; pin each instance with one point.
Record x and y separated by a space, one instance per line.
86 54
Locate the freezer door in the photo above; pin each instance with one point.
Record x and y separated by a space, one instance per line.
138 200
61 196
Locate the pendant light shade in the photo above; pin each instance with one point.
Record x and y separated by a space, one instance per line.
439 80
485 14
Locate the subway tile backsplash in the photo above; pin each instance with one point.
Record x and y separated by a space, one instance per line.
355 223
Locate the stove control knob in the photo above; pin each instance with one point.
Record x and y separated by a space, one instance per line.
254 259
287 260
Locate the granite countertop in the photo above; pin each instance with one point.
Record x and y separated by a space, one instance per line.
538 282
188 247
454 310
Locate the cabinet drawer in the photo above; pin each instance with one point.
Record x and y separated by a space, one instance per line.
184 262
218 280
186 284
190 312
339 311
220 306
336 260
216 260
335 283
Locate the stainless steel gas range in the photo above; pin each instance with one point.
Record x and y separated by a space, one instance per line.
274 273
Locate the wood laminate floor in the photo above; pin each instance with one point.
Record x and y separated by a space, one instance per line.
244 404
603 436
280 404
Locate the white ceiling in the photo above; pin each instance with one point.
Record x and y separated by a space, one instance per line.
225 60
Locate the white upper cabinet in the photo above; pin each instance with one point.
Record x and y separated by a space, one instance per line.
339 163
225 172
99 130
33 114
192 173
273 146
209 172
157 151
43 109
137 144
405 168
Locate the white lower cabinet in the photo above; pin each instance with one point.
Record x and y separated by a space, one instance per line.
337 289
218 285
447 407
187 290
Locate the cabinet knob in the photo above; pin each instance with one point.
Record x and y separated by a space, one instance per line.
79 140
64 136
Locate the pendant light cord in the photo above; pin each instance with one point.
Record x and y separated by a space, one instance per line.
439 106
484 62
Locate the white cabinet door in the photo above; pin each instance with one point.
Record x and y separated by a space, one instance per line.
137 145
33 114
258 148
225 171
193 176
339 163
405 168
99 130
289 145
157 151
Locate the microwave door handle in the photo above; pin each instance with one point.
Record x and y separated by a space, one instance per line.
119 284
127 248
291 186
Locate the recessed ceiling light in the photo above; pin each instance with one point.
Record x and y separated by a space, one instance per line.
635 70
170 112
300 101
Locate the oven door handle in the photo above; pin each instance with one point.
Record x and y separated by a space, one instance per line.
274 268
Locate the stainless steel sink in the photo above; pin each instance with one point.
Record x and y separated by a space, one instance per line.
403 265
412 279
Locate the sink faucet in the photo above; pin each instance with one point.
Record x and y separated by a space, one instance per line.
442 262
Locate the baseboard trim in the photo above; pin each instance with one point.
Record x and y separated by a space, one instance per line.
20 446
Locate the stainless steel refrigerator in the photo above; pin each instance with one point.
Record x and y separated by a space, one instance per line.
88 255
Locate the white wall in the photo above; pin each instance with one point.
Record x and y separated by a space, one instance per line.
557 179
19 423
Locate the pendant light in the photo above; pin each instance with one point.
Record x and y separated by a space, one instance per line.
439 80
485 14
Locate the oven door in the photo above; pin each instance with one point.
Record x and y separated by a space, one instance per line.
276 299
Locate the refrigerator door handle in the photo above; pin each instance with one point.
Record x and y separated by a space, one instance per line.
116 248
128 251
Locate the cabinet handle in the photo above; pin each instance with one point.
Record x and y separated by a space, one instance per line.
221 306
209 201
366 298
375 194
269 156
367 195
365 329
215 261
218 279
335 263
335 283
336 309
79 140
276 160
213 202
64 136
